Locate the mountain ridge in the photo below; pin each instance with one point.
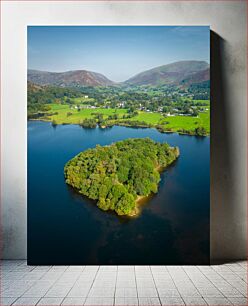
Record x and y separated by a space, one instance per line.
176 73
173 73
68 78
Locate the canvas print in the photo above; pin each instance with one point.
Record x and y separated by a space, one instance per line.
118 145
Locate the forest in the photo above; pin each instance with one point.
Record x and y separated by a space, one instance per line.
117 175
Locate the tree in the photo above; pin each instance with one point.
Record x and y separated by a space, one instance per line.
195 112
88 123
125 205
54 123
200 131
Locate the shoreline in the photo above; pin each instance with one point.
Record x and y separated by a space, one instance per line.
143 199
126 125
139 201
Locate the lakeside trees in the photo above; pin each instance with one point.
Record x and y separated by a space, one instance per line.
117 174
88 123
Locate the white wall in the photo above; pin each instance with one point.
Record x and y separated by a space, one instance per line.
229 97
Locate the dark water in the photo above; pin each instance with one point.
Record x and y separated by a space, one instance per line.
65 228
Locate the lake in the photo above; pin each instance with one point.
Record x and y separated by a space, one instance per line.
66 228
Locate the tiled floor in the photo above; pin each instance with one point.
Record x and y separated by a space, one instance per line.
123 285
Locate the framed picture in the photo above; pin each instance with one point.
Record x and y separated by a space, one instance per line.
118 145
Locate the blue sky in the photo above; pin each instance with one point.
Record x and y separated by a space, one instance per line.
118 52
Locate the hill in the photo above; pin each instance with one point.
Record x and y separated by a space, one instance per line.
187 72
34 87
69 78
197 77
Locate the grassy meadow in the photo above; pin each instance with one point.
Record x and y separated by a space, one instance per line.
173 123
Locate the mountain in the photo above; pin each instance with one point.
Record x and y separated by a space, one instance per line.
69 78
183 72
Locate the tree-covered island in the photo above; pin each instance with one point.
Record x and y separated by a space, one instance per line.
118 175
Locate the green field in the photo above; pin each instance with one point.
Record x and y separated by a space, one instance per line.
78 116
174 123
177 122
82 100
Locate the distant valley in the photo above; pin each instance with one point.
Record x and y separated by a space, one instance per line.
170 98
